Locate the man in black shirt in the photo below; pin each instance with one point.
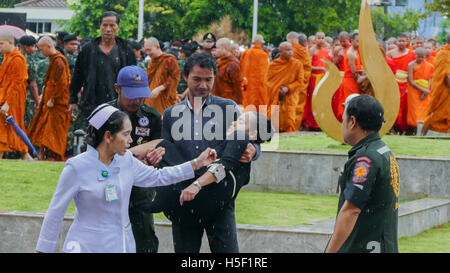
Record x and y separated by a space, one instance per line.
367 219
98 65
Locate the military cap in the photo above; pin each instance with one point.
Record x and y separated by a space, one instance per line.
60 35
70 37
27 40
209 37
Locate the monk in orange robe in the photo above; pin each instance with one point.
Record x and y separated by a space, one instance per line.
429 49
228 81
254 64
285 84
352 69
50 124
402 56
438 113
163 76
420 73
318 71
298 41
13 84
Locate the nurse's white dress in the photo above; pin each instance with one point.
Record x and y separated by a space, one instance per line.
100 225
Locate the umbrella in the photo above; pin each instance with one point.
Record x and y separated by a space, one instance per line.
21 134
17 32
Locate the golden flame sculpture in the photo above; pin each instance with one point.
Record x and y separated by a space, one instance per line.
378 72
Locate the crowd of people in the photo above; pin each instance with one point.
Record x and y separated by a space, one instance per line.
124 94
261 76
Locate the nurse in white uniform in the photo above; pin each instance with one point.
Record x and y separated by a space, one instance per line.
99 181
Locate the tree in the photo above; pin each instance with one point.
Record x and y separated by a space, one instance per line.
442 6
9 3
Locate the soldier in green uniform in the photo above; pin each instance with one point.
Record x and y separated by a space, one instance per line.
132 88
28 48
70 50
367 217
41 70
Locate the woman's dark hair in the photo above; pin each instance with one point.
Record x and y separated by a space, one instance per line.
203 60
368 111
114 124
263 126
109 14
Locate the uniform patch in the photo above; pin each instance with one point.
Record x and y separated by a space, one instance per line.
363 158
143 121
360 172
140 131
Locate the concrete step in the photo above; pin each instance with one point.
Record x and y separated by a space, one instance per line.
19 230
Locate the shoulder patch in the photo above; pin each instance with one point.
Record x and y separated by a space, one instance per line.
383 150
360 172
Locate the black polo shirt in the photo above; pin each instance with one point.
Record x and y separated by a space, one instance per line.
371 181
146 123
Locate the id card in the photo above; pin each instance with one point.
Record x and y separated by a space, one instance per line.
111 193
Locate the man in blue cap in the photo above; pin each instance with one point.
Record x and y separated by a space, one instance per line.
132 88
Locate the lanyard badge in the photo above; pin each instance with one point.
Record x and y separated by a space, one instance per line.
111 193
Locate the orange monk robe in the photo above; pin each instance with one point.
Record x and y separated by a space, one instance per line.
336 95
438 113
349 85
228 81
401 76
431 59
163 70
288 73
13 84
417 108
301 54
254 64
316 76
49 126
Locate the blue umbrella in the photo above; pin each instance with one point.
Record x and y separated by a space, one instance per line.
21 134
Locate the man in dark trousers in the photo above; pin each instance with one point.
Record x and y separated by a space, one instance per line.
367 219
205 130
132 88
98 65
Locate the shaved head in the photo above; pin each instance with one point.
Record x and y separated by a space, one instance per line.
225 43
152 41
420 50
7 36
258 39
302 39
152 47
6 42
292 37
286 51
46 40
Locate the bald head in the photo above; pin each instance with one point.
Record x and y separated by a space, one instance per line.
152 47
46 40
286 51
420 51
320 38
302 39
292 37
46 46
6 42
258 40
225 43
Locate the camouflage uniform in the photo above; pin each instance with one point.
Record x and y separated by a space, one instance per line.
141 64
182 85
32 64
71 58
42 67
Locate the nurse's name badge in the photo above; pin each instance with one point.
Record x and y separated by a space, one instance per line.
143 122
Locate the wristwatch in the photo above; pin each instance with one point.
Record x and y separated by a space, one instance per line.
197 184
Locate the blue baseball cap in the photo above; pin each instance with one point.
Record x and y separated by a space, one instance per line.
134 82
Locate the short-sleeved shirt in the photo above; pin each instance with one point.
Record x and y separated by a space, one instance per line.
146 123
371 181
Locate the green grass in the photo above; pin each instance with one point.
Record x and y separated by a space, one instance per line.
399 145
435 240
29 186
